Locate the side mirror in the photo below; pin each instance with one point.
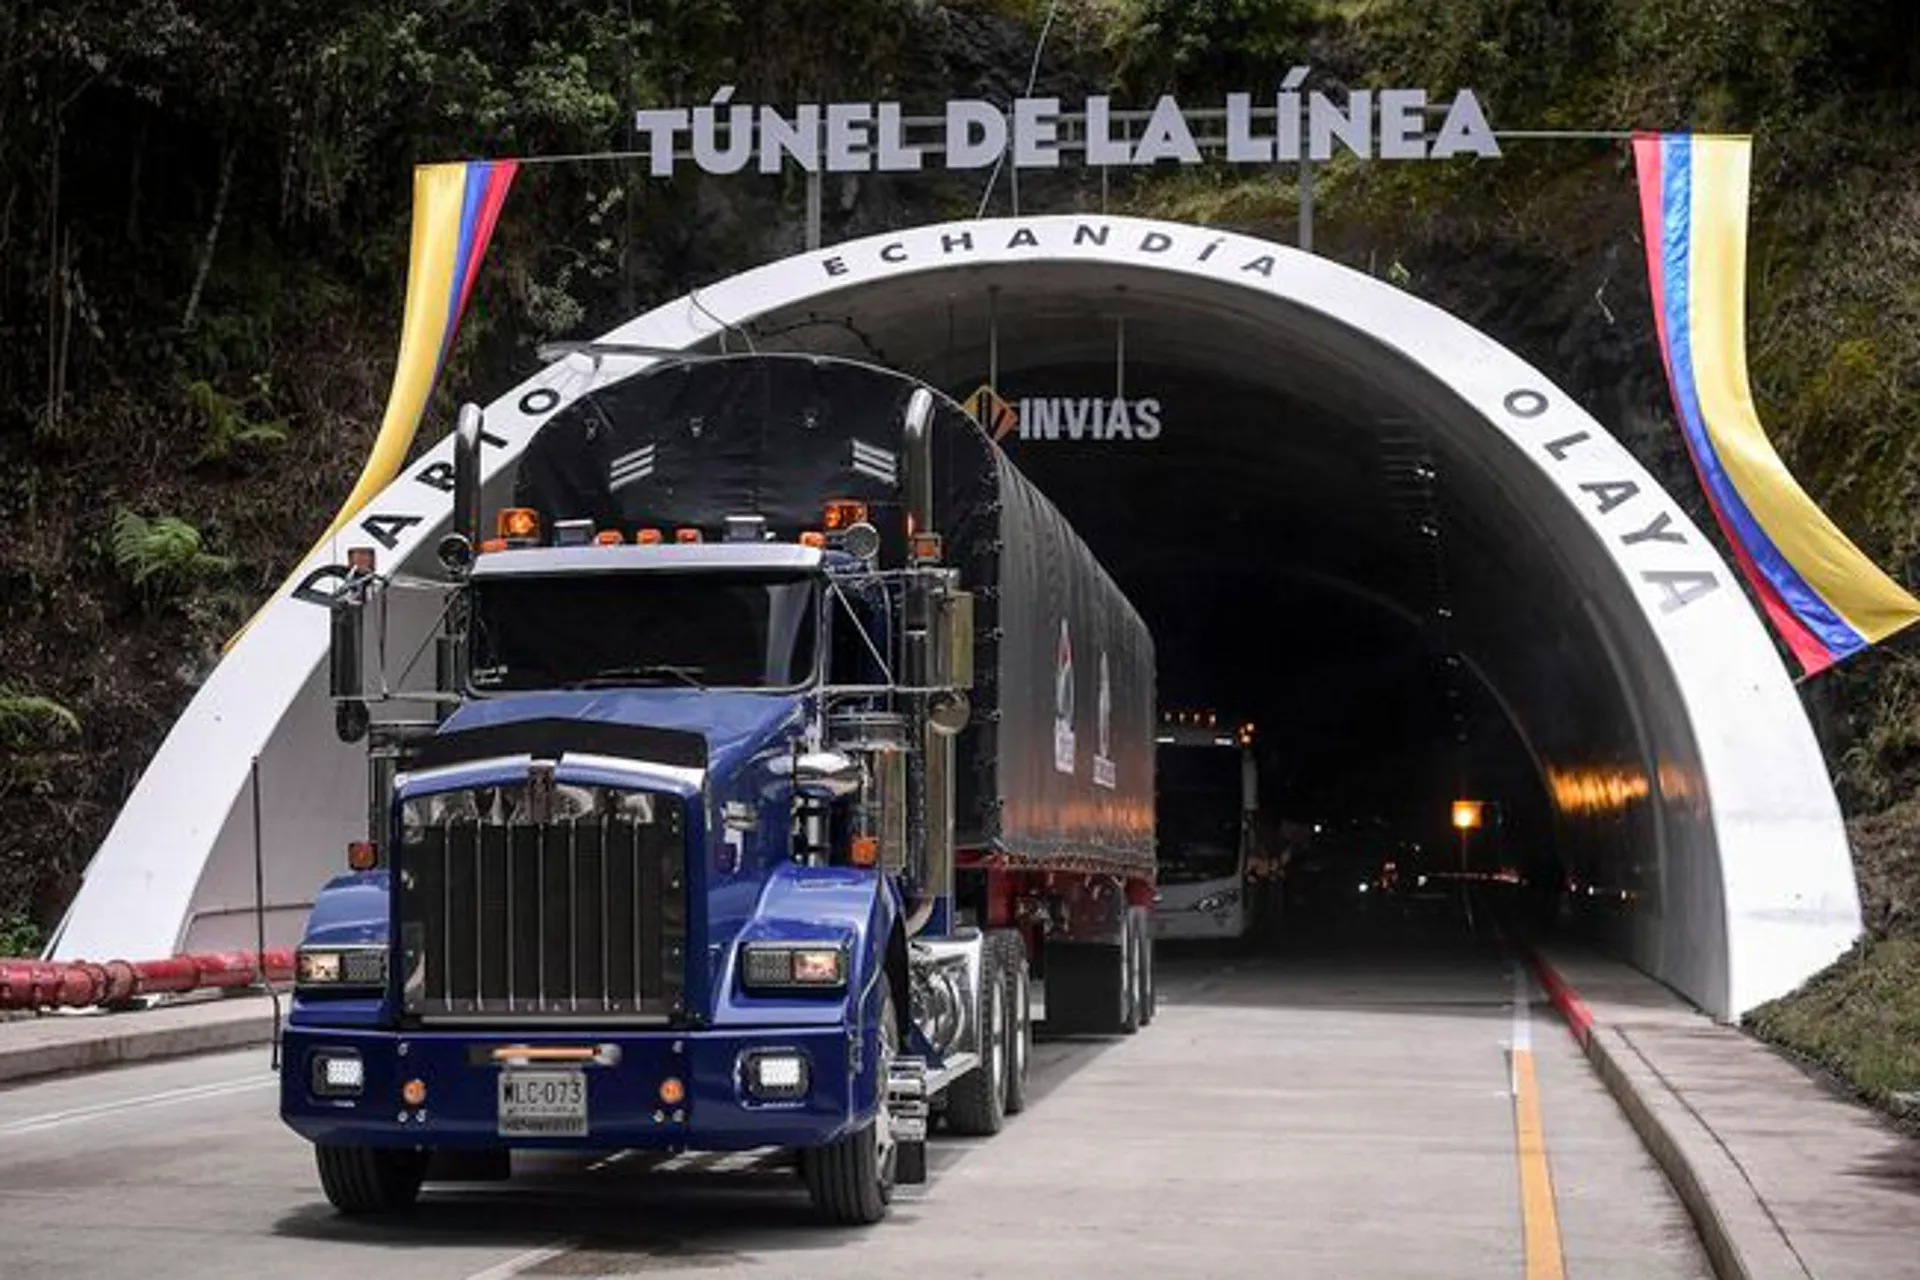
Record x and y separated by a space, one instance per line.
346 662
827 775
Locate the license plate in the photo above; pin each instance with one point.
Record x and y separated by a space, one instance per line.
543 1104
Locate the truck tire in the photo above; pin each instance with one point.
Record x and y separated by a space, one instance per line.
1143 962
851 1180
362 1180
1013 951
977 1101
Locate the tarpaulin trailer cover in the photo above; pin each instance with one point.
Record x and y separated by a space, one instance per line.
1056 764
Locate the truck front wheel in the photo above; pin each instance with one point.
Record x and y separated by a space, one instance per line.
851 1180
361 1180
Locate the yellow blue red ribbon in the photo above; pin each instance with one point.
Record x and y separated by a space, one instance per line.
1822 594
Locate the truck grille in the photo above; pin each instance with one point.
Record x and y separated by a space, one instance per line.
578 915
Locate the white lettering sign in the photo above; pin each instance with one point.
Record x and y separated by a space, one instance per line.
1292 124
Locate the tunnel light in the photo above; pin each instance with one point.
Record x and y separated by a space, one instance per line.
1467 814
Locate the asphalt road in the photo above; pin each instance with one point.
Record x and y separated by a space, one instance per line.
1332 1109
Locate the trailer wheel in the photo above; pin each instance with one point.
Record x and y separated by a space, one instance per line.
977 1102
851 1180
1145 998
1020 1009
362 1180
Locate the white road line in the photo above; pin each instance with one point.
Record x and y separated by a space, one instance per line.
525 1262
1522 1022
190 1093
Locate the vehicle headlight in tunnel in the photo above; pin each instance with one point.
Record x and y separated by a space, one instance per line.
357 968
1221 901
786 966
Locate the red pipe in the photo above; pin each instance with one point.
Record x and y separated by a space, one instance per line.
80 984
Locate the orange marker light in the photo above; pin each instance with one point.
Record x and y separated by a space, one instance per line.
843 513
608 538
865 851
362 856
813 538
493 544
686 535
926 548
414 1093
517 523
672 1092
647 537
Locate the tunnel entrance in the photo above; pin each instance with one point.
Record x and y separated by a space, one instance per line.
1418 566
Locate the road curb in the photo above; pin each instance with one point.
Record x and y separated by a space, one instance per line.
1742 1240
50 1046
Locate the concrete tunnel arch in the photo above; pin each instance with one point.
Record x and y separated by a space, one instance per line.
1674 745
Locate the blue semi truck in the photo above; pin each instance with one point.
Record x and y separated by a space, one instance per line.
788 757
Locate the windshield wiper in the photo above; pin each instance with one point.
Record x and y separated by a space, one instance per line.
652 671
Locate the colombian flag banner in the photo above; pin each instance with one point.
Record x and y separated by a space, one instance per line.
455 208
1826 599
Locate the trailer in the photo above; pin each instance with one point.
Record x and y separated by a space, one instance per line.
787 755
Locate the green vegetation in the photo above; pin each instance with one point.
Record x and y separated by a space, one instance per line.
27 720
1860 1020
161 556
19 936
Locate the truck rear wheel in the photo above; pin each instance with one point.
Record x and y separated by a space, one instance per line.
360 1180
977 1101
1149 993
851 1181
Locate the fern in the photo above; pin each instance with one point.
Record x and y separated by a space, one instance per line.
26 718
161 555
227 428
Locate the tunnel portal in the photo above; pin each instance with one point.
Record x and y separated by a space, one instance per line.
1416 564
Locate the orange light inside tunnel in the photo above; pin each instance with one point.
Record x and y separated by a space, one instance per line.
1466 814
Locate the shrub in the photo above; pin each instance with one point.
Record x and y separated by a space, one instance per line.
161 556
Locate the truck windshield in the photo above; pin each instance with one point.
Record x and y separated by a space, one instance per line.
612 630
1198 809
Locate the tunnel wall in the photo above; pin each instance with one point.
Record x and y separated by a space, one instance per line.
1722 768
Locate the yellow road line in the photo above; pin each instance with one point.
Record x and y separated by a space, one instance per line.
1539 1218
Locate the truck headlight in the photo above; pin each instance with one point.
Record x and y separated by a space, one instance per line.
358 968
788 966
